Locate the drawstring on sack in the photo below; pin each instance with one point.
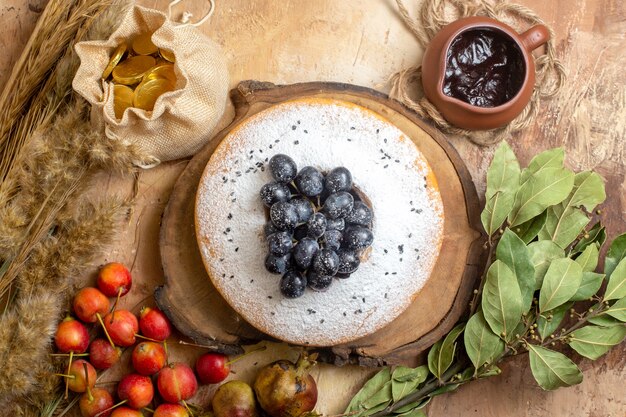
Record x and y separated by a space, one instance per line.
185 20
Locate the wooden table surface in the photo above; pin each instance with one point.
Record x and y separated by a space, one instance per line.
364 42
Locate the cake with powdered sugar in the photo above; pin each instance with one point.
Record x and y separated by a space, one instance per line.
391 184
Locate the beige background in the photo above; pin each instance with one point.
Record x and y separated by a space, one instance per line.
364 42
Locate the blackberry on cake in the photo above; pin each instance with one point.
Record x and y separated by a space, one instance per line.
274 192
338 179
318 282
360 215
293 284
316 226
284 215
309 181
338 205
283 168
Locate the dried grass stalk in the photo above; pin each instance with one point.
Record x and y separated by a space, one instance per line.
41 80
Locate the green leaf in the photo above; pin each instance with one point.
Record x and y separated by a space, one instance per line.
594 341
552 369
481 344
493 370
441 354
597 234
372 410
563 225
405 380
501 300
542 253
406 374
604 321
369 390
543 189
382 396
497 208
515 254
552 158
588 260
616 253
560 283
589 285
502 184
433 357
444 389
616 288
618 310
417 405
547 326
399 390
529 230
588 191
413 413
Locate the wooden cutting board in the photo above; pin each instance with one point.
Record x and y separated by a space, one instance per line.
198 311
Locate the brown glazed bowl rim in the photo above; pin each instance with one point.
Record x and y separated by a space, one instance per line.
476 22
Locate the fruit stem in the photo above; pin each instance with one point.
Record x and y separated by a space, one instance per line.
197 345
117 300
150 410
105 330
87 381
258 349
187 407
304 363
111 408
76 355
66 376
147 338
67 381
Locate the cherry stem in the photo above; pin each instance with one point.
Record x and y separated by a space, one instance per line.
111 408
117 299
197 345
67 381
258 349
76 355
187 407
150 410
66 376
147 338
87 381
105 330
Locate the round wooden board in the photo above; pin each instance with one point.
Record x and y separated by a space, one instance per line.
198 311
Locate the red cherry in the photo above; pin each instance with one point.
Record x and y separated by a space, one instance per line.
78 380
177 382
88 303
71 336
212 368
136 389
154 324
94 403
102 355
114 279
126 412
121 325
148 358
170 410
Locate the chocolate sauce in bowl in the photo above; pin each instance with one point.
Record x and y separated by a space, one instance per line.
484 67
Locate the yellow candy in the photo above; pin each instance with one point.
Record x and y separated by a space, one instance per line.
122 99
147 93
132 70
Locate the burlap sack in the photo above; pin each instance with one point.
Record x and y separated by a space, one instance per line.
182 119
